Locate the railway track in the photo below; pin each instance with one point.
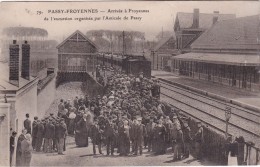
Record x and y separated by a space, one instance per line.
237 111
212 111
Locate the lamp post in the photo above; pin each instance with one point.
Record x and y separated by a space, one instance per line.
228 116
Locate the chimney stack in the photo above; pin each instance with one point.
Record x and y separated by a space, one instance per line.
196 17
26 61
14 64
215 17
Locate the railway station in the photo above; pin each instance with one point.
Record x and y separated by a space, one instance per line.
114 98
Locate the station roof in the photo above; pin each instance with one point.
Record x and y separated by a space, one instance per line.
217 58
240 34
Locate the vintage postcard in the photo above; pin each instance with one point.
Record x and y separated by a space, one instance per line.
130 83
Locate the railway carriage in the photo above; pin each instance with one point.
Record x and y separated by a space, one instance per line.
130 64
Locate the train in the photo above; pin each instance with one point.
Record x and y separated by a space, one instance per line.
129 63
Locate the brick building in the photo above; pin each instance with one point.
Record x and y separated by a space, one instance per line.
228 53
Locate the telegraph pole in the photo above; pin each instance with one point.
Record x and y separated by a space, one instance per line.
124 47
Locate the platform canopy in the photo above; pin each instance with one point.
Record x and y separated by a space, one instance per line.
217 58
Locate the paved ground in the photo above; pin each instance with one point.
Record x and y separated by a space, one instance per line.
75 156
250 98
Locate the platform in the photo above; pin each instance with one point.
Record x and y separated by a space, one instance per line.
239 95
75 156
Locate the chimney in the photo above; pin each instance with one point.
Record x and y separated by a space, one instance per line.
26 61
196 17
14 64
215 16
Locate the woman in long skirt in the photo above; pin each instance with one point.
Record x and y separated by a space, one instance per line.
124 139
159 138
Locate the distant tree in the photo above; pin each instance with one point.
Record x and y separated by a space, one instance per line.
115 39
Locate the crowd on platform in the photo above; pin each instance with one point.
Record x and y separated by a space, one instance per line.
128 117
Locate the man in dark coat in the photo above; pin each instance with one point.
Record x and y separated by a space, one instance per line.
109 134
178 145
61 107
19 149
34 132
27 124
187 140
40 135
61 134
81 135
138 135
12 146
55 138
49 135
76 102
96 136
149 132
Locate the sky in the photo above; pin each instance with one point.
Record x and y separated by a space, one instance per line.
161 15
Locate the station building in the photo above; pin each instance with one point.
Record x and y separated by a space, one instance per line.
190 26
187 28
227 53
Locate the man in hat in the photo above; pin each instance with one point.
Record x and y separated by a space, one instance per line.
178 145
27 124
76 102
167 123
149 132
61 107
199 139
34 132
61 134
109 134
18 148
96 136
49 135
138 136
187 140
40 135
12 146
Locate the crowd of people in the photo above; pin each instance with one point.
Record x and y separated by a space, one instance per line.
128 118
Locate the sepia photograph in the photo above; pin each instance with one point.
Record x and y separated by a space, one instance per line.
130 83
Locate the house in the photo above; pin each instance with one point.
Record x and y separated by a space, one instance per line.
227 53
18 96
21 93
189 26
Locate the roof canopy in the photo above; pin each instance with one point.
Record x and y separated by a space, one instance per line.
229 59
